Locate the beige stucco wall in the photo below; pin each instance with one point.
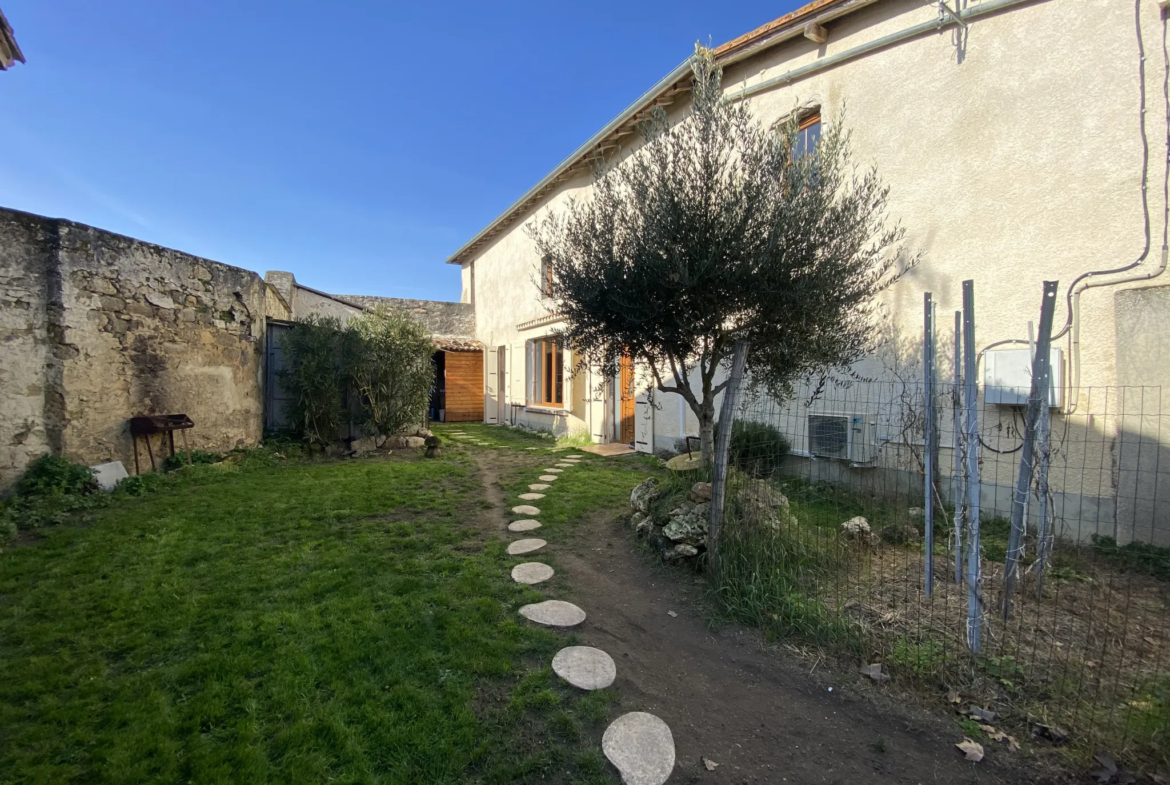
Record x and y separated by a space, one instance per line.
506 297
1013 156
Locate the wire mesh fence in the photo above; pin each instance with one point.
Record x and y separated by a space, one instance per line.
826 539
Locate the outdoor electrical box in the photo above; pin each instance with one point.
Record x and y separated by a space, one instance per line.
1007 377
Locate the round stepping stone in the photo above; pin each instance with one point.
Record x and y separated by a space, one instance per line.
574 457
526 509
531 572
585 667
525 525
521 547
565 465
531 497
539 486
553 471
557 613
547 478
641 747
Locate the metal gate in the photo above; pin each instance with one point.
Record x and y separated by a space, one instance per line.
276 415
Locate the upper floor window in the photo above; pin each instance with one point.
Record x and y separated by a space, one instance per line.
547 288
808 133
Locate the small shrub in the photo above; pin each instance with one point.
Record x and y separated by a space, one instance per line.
922 658
51 476
756 448
179 460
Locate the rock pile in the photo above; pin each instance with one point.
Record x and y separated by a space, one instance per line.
681 533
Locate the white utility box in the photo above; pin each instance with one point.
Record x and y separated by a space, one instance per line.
1007 377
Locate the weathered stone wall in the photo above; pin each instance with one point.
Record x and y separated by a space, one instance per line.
456 320
98 328
28 368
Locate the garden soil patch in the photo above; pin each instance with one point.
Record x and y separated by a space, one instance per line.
759 716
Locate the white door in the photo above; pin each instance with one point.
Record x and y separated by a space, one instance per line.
491 405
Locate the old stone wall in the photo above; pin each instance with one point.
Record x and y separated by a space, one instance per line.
456 320
98 328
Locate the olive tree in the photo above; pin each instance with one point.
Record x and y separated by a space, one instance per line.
717 230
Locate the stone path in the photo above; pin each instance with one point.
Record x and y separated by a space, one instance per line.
638 744
531 572
520 547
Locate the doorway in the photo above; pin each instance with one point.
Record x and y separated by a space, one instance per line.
626 408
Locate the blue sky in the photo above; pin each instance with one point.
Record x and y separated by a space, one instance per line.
356 144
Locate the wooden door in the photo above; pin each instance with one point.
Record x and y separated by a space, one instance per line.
463 373
626 410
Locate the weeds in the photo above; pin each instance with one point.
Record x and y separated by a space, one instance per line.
1139 557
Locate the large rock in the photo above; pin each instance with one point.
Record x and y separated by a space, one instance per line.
857 528
700 492
646 492
688 524
680 551
762 505
404 442
364 444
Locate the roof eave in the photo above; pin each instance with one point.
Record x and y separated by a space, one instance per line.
776 32
667 81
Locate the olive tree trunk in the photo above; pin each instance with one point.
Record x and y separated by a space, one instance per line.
723 447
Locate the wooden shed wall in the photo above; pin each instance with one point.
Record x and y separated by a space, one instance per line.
464 385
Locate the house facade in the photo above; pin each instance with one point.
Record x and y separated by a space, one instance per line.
1019 139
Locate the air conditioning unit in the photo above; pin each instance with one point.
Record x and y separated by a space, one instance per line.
848 437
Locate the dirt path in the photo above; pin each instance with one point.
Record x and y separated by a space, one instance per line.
758 715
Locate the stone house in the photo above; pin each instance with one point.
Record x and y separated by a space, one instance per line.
1017 138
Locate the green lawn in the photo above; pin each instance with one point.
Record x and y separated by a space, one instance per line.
345 621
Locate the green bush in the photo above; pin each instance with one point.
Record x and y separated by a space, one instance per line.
756 448
179 459
380 359
314 350
51 476
388 362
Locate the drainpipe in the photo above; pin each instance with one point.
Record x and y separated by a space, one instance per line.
943 21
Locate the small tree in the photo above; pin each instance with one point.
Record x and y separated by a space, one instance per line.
389 364
718 230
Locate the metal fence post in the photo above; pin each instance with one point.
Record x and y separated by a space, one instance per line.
958 485
1044 537
970 404
930 429
1037 398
